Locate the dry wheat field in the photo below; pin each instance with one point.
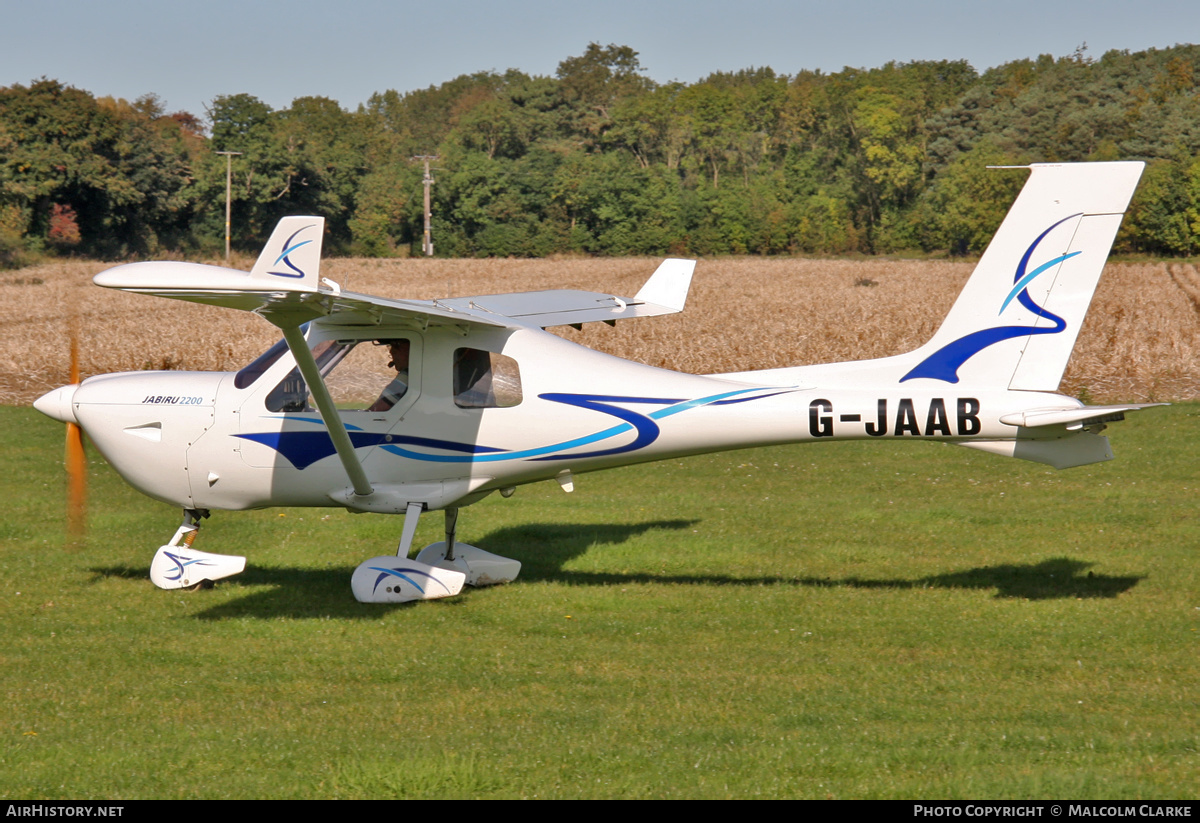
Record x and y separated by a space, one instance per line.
1140 341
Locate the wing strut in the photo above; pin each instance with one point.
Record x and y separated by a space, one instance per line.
333 421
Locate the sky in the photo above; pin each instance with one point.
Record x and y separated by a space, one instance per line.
189 53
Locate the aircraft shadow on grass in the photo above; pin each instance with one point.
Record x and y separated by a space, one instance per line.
311 593
1057 578
1050 579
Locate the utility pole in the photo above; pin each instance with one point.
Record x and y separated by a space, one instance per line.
229 155
427 240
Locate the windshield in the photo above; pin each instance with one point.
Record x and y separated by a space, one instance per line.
264 361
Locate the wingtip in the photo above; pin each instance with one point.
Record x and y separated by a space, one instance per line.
669 285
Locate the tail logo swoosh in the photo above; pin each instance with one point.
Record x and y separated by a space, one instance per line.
944 363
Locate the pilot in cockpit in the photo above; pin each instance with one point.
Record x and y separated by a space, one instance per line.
399 351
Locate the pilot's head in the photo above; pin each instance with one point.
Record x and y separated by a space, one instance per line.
398 350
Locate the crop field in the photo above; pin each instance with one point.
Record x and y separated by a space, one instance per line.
1141 340
882 620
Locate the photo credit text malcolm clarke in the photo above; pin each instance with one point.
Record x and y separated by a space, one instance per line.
1050 810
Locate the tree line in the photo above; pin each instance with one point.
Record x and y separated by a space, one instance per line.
600 159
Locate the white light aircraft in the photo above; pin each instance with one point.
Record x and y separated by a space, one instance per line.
459 398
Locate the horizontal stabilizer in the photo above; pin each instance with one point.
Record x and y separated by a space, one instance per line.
1074 418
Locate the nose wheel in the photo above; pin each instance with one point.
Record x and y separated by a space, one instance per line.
178 565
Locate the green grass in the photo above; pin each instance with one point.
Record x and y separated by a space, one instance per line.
835 620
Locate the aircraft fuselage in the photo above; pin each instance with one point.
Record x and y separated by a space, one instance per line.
201 441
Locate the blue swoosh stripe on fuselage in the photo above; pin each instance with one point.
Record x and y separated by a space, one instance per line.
592 402
302 449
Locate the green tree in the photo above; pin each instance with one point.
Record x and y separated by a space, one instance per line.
123 169
594 82
966 204
1163 216
649 127
332 149
275 174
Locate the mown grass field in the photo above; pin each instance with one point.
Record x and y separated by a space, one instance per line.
836 620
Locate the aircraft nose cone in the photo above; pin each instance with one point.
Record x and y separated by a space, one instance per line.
57 404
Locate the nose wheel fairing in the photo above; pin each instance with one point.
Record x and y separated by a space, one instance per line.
179 566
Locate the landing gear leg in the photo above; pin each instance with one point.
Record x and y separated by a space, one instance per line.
439 570
411 516
451 528
178 566
189 529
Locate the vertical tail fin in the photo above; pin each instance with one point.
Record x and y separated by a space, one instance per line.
1016 320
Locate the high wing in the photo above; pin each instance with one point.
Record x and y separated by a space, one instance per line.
285 287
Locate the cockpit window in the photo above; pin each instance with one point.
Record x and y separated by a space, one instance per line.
291 395
360 376
399 352
264 361
485 380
